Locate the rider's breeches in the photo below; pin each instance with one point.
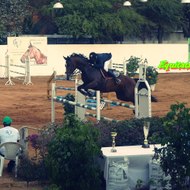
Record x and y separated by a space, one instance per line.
106 65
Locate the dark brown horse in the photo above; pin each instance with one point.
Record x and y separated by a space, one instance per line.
93 79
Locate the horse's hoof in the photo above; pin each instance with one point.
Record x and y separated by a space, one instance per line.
92 94
83 92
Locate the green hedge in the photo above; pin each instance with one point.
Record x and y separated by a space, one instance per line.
129 132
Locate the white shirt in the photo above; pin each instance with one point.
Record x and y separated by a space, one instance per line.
8 134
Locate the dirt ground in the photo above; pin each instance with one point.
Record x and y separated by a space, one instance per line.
29 106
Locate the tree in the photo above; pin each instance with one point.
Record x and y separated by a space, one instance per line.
104 21
186 20
133 22
12 16
165 14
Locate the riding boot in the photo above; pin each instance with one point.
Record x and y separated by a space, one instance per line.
111 73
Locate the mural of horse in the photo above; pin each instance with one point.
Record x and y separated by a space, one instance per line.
34 53
93 79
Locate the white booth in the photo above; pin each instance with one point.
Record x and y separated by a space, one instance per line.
127 167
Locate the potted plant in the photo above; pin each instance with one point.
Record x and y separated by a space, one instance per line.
132 64
151 76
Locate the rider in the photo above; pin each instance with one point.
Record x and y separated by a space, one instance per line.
100 61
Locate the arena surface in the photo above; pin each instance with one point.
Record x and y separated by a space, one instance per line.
29 106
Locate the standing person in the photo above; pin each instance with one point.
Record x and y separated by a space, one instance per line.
100 61
8 134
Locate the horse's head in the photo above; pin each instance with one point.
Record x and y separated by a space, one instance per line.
24 56
75 62
70 66
34 53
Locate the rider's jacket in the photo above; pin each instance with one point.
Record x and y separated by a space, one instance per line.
98 59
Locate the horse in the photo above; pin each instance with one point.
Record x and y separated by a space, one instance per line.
34 53
94 79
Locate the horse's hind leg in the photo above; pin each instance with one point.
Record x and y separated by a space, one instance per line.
124 97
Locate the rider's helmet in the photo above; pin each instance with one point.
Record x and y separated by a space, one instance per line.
92 57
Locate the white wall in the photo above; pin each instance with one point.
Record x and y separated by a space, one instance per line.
153 52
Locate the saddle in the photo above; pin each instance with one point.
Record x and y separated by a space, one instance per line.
105 74
108 75
112 73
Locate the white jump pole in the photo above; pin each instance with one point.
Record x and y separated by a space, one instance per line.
98 105
53 94
76 94
81 99
5 75
9 82
124 68
27 75
27 80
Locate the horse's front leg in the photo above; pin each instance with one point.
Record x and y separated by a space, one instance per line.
89 86
82 90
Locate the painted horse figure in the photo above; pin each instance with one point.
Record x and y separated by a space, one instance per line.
93 79
34 53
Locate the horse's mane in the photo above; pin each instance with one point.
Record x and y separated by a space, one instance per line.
31 46
80 56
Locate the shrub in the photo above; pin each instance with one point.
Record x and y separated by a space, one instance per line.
52 187
71 156
105 127
34 140
132 64
29 170
45 136
129 132
175 155
68 108
151 75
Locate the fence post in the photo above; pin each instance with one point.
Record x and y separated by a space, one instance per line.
24 138
79 98
53 94
9 82
27 80
98 105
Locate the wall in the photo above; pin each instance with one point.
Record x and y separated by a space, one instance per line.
153 52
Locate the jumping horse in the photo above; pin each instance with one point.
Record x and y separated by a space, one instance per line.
94 79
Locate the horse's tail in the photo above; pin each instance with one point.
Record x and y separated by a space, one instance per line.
154 99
